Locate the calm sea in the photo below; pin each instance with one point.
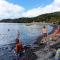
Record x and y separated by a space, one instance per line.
28 33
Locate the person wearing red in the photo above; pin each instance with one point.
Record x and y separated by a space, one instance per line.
19 48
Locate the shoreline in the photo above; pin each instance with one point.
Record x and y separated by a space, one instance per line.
42 47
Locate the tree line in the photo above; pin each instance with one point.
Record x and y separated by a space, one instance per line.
49 18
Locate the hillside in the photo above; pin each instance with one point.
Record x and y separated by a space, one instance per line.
50 17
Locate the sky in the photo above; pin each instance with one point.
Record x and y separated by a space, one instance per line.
27 8
30 4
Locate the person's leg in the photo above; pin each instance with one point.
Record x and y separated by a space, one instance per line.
43 40
17 56
21 54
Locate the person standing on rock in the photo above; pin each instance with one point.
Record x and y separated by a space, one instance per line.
45 33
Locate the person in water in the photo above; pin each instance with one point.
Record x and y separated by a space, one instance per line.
19 48
8 29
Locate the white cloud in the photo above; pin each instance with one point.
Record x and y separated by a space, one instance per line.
10 10
53 7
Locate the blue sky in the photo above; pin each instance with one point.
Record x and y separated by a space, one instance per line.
29 4
27 8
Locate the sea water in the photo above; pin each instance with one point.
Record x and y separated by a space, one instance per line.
28 33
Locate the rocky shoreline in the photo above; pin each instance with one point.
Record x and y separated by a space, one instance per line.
45 52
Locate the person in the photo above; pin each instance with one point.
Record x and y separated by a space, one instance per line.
57 56
8 29
45 34
58 31
19 48
56 34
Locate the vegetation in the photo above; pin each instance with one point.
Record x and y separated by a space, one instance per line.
50 18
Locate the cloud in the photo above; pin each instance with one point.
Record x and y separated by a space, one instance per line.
10 10
53 7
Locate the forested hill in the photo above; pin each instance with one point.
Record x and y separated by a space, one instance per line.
50 17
